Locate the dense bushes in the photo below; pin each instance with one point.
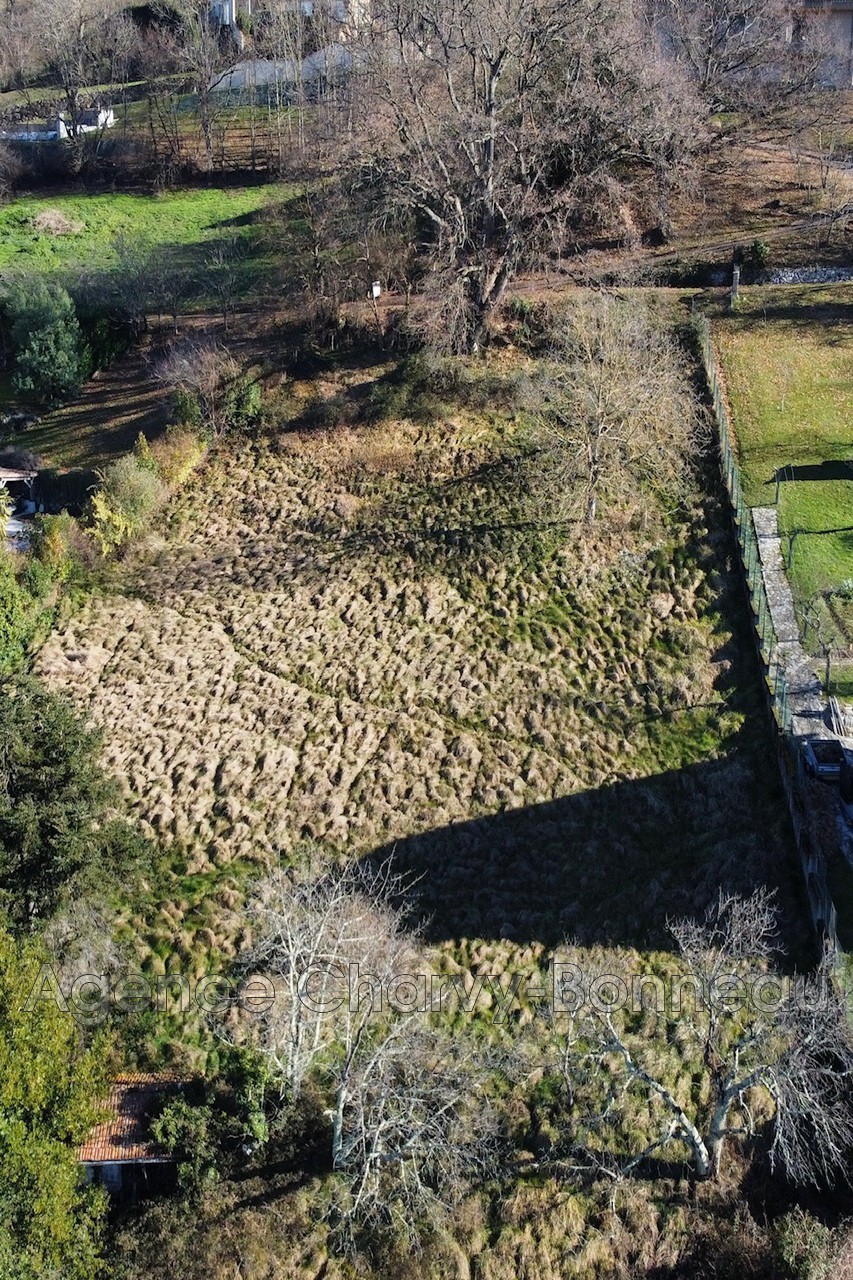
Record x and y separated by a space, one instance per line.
59 819
27 584
56 543
58 339
49 353
128 496
805 1247
422 387
212 395
50 1222
134 487
106 336
173 457
18 615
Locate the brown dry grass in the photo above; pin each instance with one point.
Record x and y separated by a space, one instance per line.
53 222
351 636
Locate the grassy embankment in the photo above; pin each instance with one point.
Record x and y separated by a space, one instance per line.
788 359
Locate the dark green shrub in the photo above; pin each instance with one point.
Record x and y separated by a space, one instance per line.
105 337
18 621
759 255
189 1131
53 803
804 1246
49 352
242 405
188 410
39 579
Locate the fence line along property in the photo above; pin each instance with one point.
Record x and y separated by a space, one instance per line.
768 641
812 857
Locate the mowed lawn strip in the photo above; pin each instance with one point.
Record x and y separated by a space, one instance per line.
788 359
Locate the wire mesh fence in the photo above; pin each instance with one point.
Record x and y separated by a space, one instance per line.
747 541
812 855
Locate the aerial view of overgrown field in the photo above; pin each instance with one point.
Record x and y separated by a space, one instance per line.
406 871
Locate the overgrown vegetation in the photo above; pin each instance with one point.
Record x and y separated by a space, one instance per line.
50 1085
437 662
584 715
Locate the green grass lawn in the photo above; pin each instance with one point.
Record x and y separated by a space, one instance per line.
841 681
179 225
184 219
788 359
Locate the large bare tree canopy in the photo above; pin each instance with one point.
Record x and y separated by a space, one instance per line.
759 1047
497 125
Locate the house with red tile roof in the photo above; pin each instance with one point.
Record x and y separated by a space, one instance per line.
120 1153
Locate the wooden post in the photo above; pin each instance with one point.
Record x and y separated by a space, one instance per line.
828 653
735 284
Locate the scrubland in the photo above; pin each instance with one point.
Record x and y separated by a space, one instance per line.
359 630
356 635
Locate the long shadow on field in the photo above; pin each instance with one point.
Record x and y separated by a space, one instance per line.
607 866
825 320
831 469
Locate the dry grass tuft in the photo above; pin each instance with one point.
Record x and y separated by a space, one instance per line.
53 222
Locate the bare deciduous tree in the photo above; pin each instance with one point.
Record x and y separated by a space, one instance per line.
77 43
224 272
408 1125
743 53
615 417
200 54
204 371
312 935
412 1128
497 123
81 944
133 278
756 1040
172 286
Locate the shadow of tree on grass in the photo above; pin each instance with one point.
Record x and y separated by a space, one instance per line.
608 866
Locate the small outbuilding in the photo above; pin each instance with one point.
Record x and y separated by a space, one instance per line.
59 128
19 486
120 1154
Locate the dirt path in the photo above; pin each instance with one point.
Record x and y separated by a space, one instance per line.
105 419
